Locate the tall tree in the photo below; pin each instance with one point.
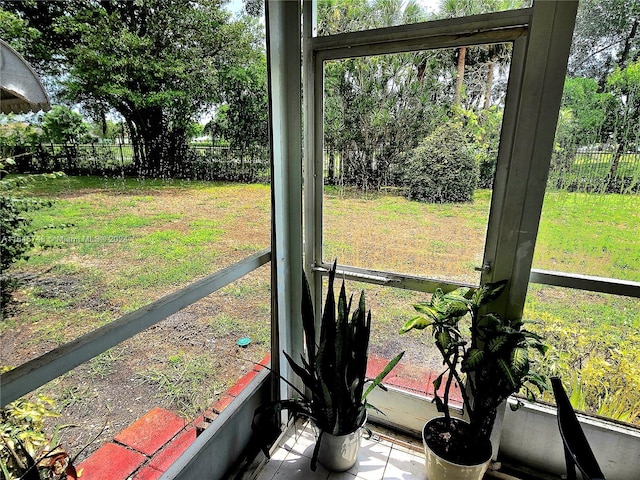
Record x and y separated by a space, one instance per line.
155 62
624 84
490 53
63 125
242 118
607 35
375 107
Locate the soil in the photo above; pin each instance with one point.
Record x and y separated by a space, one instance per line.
452 441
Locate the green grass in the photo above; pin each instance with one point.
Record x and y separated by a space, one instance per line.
187 383
590 234
153 237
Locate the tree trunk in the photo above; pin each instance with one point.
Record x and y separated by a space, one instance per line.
613 170
488 85
462 55
332 168
627 44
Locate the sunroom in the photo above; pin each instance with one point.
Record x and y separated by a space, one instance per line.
304 239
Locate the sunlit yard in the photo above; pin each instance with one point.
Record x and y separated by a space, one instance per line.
108 247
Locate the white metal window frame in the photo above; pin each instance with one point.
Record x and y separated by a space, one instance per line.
541 38
525 148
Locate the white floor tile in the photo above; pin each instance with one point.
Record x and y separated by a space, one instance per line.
342 476
296 466
404 465
378 459
302 441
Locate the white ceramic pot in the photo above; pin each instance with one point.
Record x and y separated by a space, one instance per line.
339 453
440 469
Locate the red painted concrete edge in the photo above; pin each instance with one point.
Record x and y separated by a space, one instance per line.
154 464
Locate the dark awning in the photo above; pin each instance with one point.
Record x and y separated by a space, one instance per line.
20 88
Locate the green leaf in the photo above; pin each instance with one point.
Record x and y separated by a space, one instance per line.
474 357
443 339
508 373
520 360
426 309
419 323
488 292
305 376
437 382
308 320
496 344
390 366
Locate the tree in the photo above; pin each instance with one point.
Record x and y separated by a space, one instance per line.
375 107
441 169
63 125
624 84
16 31
606 35
490 54
155 62
242 119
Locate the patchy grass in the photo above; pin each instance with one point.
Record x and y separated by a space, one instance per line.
110 246
188 383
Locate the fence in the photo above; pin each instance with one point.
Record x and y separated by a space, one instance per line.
584 169
200 162
592 169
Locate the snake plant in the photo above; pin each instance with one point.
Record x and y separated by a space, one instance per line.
334 370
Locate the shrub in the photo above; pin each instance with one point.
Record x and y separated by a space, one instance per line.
442 169
16 236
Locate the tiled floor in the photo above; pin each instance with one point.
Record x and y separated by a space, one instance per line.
380 457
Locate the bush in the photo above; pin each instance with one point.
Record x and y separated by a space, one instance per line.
442 169
16 235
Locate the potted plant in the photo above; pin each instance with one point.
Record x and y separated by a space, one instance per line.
494 360
334 377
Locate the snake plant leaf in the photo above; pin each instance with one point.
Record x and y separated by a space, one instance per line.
308 320
474 357
305 376
419 323
385 371
328 327
316 450
374 408
341 335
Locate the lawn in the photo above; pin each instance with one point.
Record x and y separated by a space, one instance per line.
110 246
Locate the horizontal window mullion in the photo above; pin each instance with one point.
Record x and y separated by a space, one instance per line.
586 282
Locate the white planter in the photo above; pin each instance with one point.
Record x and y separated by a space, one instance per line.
440 469
339 453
